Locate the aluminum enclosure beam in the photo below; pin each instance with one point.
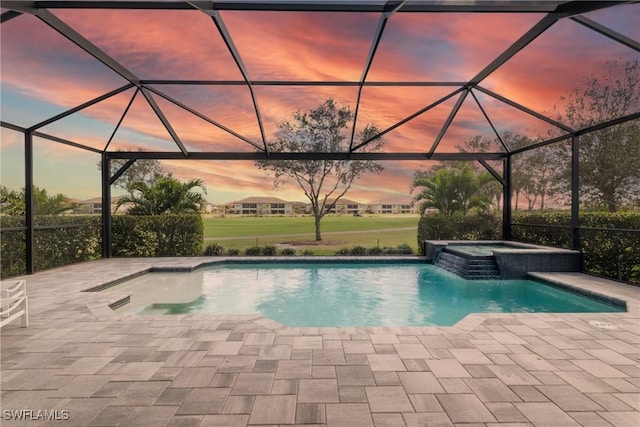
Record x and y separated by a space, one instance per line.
507 211
205 118
608 32
226 37
525 109
81 107
7 16
29 203
411 117
447 123
106 206
165 122
337 83
462 6
486 116
260 155
382 23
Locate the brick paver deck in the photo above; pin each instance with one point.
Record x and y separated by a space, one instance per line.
79 356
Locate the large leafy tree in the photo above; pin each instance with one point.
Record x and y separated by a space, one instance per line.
166 195
533 173
13 202
452 190
322 129
609 158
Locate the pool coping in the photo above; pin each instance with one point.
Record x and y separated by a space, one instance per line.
572 282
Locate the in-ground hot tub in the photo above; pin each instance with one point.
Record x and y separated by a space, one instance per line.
513 259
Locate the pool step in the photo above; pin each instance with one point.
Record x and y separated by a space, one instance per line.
485 268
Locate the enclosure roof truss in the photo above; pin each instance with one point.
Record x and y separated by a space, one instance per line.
151 89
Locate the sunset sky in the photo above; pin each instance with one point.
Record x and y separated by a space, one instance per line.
44 74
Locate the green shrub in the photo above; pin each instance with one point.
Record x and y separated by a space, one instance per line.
550 236
214 249
288 251
343 251
269 250
388 250
233 252
602 248
458 227
376 250
358 250
307 252
157 235
53 246
404 249
253 251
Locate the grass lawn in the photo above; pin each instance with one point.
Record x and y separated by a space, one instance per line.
337 231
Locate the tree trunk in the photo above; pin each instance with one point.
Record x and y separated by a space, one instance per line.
318 236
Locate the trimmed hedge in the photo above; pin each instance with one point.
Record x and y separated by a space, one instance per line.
157 235
458 227
602 248
53 247
133 236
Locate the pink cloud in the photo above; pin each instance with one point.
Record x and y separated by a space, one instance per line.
299 46
444 47
158 44
39 64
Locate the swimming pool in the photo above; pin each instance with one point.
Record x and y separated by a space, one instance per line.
344 294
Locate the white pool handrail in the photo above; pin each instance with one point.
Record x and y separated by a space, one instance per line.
14 304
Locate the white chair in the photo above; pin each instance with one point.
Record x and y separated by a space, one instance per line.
14 304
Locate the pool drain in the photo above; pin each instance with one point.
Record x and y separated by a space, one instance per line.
603 325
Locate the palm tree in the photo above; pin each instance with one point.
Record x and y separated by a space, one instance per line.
166 195
452 190
13 202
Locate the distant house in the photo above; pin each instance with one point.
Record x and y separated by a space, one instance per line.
392 205
344 206
263 206
94 205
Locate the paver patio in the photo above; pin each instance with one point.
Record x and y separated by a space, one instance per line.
236 370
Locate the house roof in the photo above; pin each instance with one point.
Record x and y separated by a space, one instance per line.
257 199
97 200
392 201
343 201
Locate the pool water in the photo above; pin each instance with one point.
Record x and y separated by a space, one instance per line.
345 294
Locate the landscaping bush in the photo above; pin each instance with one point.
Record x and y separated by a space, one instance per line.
602 248
458 227
388 250
53 246
343 251
288 251
376 250
233 252
214 249
358 250
269 250
307 252
253 251
156 235
404 249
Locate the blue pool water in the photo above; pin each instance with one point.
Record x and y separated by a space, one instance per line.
346 294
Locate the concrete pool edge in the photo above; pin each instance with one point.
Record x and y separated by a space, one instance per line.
575 281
